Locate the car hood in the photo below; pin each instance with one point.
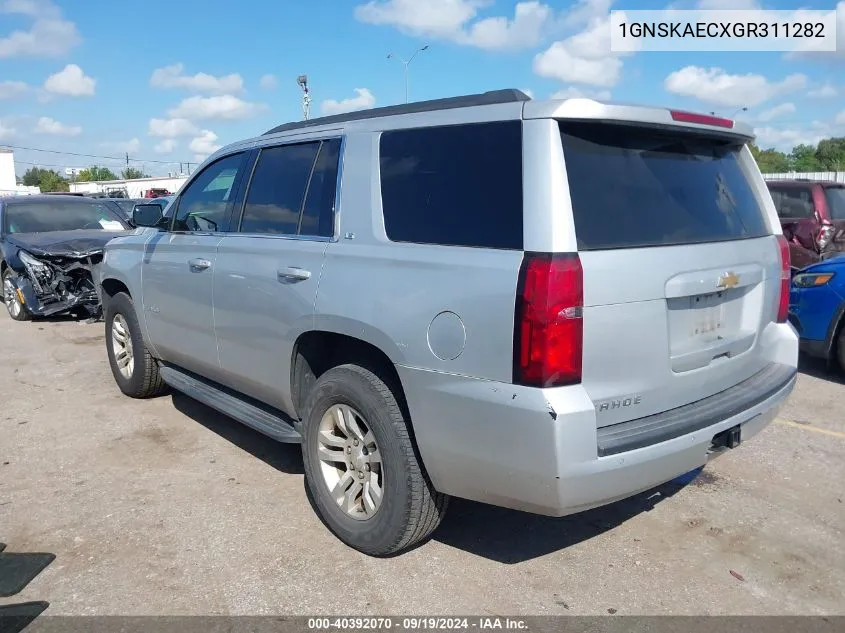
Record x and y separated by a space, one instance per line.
65 243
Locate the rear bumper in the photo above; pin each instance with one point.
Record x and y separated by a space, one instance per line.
517 447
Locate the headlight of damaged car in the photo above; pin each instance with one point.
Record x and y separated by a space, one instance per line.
38 270
810 280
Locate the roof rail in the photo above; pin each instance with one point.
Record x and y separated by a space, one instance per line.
492 97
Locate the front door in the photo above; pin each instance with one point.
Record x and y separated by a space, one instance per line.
268 270
179 266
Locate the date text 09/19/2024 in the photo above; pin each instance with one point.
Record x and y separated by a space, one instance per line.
415 623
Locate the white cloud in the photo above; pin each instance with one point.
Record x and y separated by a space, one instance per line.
221 107
529 92
584 57
70 81
268 82
524 30
7 130
715 5
574 92
809 44
165 147
172 128
204 144
452 20
778 110
840 118
585 11
362 100
174 77
787 138
49 36
130 146
825 92
12 89
716 86
46 125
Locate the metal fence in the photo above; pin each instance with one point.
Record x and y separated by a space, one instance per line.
835 176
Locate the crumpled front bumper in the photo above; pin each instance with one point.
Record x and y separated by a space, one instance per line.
51 304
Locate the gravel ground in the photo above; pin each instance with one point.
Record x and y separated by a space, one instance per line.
165 507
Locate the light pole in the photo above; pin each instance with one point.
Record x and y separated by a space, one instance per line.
742 109
406 63
302 80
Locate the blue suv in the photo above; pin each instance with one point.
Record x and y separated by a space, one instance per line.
817 309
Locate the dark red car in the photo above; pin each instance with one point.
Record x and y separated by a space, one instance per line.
156 193
812 216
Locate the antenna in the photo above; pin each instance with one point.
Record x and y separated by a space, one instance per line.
302 80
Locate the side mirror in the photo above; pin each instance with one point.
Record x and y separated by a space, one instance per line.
147 214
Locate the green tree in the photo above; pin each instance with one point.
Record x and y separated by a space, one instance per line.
52 181
803 159
770 161
830 154
32 177
96 173
131 173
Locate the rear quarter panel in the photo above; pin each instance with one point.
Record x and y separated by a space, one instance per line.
448 309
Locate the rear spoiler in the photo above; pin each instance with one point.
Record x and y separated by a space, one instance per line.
591 110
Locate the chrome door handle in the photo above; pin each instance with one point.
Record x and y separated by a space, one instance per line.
293 273
199 264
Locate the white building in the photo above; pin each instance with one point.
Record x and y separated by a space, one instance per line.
8 183
132 188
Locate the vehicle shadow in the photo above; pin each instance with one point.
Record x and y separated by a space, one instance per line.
14 618
819 368
510 537
286 458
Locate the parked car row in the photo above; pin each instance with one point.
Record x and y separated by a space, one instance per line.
542 305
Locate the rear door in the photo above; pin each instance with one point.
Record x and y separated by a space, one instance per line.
681 270
269 268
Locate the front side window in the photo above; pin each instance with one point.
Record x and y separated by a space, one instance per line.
207 199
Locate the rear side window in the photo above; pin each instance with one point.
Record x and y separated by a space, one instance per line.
836 202
458 185
793 203
633 187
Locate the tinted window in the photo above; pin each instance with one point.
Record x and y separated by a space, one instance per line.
793 202
60 215
634 187
459 185
836 202
318 213
277 191
204 203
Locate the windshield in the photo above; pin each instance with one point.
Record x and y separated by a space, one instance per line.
836 202
634 187
59 215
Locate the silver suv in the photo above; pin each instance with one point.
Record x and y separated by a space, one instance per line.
543 305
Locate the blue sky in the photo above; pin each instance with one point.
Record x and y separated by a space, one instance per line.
171 81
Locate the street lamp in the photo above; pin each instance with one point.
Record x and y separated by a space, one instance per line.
742 109
302 80
405 63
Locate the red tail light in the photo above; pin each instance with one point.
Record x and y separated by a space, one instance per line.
785 278
549 334
702 119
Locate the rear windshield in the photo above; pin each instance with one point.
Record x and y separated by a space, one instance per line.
836 202
633 187
59 215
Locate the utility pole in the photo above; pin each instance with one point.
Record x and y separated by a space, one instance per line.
127 160
406 63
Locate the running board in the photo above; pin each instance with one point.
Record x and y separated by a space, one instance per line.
269 423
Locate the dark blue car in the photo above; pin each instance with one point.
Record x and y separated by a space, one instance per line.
817 309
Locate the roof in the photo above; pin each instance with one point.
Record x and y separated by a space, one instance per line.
492 97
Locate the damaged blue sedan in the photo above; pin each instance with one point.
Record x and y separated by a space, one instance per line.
51 249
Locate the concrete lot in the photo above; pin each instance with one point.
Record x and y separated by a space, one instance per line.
165 507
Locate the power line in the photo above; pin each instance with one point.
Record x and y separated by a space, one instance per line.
117 158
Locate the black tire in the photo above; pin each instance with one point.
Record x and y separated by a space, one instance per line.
411 509
840 349
22 313
144 381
